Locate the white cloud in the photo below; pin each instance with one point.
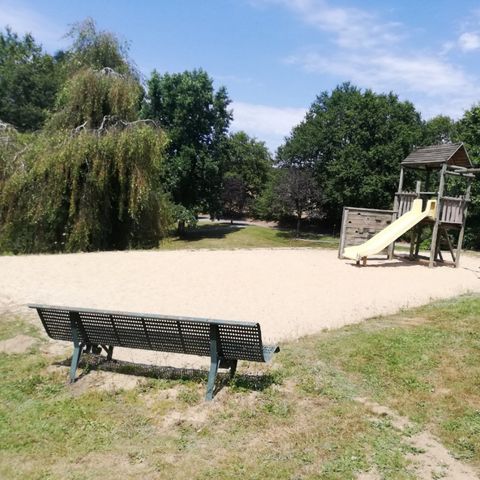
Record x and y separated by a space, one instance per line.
271 124
419 73
24 20
372 53
435 86
350 27
469 41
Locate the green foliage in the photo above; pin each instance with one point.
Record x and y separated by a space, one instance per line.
86 192
295 193
234 196
29 80
468 131
440 129
354 141
196 119
247 169
97 49
265 206
183 216
90 95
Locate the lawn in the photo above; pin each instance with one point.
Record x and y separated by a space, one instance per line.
298 418
231 236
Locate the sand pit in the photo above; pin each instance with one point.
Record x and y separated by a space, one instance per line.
291 292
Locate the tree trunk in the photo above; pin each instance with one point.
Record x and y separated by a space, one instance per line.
181 228
299 219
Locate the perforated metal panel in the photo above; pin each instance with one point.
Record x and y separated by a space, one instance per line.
164 336
239 342
196 337
235 340
56 323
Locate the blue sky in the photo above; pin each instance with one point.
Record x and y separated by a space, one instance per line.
275 56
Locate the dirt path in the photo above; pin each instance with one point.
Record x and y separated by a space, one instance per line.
431 460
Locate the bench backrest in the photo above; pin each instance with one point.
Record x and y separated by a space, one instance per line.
235 340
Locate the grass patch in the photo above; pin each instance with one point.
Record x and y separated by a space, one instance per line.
424 363
225 236
11 325
303 423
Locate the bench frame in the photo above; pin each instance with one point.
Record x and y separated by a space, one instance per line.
217 359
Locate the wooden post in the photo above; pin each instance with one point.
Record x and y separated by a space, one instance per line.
413 232
343 232
462 230
391 248
424 204
433 246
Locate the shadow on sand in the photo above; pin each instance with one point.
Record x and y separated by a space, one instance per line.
399 261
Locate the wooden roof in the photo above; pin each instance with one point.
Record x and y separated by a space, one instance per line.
435 156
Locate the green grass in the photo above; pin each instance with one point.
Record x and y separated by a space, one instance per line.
298 420
227 237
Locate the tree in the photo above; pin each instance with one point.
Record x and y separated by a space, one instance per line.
354 141
29 81
91 97
247 169
196 118
99 166
233 195
468 132
439 129
84 191
297 193
97 49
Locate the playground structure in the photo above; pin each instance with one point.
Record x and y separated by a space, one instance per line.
366 232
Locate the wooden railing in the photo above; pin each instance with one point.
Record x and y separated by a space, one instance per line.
404 202
452 210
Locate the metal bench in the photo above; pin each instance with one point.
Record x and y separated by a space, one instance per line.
91 330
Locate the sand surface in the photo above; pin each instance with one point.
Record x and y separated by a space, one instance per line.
291 292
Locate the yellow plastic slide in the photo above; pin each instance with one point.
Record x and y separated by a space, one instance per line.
395 230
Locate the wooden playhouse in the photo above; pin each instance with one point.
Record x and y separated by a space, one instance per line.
442 172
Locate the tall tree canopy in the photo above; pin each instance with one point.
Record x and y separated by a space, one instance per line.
247 168
85 192
29 81
97 49
89 96
196 118
354 141
439 129
467 130
91 179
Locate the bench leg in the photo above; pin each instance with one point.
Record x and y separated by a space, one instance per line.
214 361
77 353
77 347
212 375
233 368
110 352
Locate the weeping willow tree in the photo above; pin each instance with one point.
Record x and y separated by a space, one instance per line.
91 179
92 97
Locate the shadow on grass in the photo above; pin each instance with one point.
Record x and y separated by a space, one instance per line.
317 237
209 232
91 362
